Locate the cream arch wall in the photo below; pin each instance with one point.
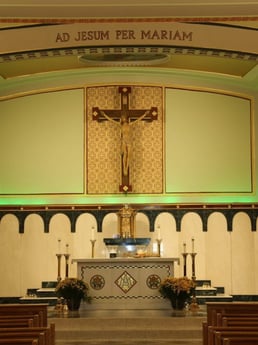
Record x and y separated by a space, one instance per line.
228 259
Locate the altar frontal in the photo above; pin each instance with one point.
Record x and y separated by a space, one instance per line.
126 283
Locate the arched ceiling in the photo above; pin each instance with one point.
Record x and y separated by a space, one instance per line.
22 13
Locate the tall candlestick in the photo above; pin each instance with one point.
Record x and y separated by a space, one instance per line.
59 266
92 247
185 269
193 265
159 246
66 265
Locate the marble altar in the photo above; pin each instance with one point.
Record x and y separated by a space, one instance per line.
126 283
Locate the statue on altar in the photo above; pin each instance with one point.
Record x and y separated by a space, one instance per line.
126 222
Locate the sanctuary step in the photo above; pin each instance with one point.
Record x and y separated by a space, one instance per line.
205 292
45 294
121 327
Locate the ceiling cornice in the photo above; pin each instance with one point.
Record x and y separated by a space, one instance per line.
119 9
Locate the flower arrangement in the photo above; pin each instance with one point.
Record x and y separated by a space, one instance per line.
73 288
172 287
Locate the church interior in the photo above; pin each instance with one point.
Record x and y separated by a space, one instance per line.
128 140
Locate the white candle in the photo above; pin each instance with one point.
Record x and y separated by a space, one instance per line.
192 245
93 233
184 245
159 232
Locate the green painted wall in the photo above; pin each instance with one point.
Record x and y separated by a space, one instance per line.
42 143
208 142
208 148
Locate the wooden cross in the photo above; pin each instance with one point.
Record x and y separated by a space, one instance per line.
125 118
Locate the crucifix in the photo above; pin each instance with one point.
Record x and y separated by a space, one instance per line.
125 118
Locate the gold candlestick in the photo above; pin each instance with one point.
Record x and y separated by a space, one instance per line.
92 247
159 240
193 265
59 266
66 265
185 268
194 304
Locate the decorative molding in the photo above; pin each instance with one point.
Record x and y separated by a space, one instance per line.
94 51
195 19
151 211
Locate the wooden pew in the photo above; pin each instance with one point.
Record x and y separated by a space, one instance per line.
48 331
212 330
19 341
241 341
229 308
219 336
222 316
16 322
239 321
26 322
40 336
26 309
34 319
217 311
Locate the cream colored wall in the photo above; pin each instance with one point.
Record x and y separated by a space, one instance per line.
228 259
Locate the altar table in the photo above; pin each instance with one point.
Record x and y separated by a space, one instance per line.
126 283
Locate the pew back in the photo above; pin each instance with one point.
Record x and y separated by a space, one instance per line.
19 341
41 337
239 314
26 309
232 308
219 336
212 330
240 341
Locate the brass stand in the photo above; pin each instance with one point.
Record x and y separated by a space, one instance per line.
185 269
159 240
193 305
59 267
66 265
92 247
193 265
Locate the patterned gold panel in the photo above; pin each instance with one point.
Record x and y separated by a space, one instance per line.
103 143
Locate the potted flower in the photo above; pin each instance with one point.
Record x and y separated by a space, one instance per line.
73 290
177 290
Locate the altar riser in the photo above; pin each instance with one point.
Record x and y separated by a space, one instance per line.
129 304
127 331
219 298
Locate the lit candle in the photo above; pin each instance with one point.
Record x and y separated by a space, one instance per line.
184 245
192 245
93 233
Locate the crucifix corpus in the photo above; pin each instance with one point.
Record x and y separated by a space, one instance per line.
125 118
